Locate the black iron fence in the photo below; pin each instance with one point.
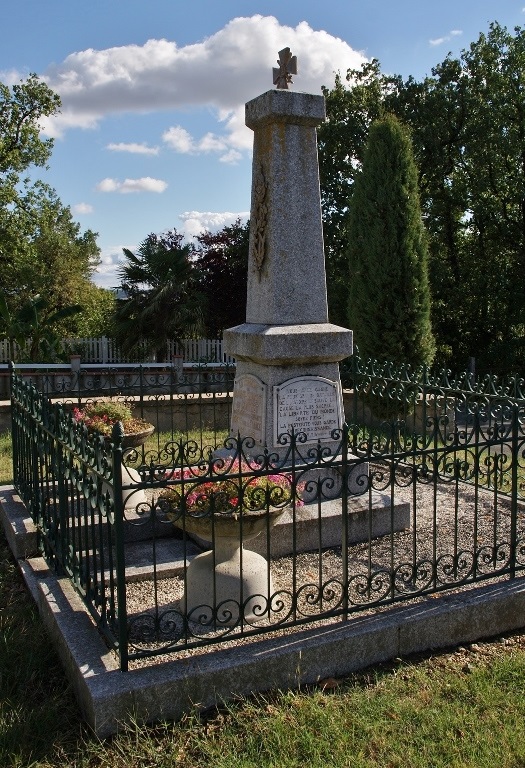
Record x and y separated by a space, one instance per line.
189 538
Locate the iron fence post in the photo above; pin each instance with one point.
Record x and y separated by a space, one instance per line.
35 480
63 495
344 512
354 420
117 436
14 431
514 489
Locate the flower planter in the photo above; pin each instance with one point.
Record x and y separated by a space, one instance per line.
136 439
100 417
130 497
229 583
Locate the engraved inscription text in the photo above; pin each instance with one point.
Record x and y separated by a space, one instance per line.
309 404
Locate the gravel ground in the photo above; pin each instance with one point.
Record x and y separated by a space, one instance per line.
446 520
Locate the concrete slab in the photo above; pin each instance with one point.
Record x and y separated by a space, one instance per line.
21 535
169 557
19 529
319 526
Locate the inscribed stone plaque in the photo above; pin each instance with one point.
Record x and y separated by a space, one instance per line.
309 404
249 407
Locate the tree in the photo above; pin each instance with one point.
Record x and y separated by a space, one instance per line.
467 125
21 110
161 302
389 298
341 144
492 173
221 265
49 253
98 310
42 251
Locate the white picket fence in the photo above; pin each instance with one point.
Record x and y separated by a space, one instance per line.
105 350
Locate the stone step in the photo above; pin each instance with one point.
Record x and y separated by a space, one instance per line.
319 526
171 555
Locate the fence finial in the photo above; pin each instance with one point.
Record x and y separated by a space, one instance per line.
117 433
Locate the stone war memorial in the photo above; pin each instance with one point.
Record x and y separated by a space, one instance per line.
287 352
287 393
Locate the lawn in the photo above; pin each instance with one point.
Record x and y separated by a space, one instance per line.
6 458
154 444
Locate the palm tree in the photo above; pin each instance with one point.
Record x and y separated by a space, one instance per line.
162 301
33 328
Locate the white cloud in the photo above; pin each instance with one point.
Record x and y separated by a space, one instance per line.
105 274
211 143
196 222
145 184
135 149
82 208
179 139
232 156
446 38
222 72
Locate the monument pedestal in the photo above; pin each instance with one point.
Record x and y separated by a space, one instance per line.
316 527
226 586
287 377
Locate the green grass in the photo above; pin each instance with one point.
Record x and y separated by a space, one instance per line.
155 443
6 458
464 709
207 438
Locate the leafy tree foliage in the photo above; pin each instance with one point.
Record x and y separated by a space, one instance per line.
49 253
221 264
21 110
98 309
42 250
161 301
341 142
389 299
467 124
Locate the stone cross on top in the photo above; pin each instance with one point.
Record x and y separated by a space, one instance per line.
287 67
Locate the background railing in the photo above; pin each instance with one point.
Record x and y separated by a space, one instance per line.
424 493
105 350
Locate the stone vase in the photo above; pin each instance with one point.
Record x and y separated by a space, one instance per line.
229 581
132 498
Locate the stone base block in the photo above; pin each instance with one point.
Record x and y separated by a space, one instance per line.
320 526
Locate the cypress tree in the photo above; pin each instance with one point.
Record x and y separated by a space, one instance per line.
389 295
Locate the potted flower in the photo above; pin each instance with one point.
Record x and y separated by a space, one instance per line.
227 499
100 416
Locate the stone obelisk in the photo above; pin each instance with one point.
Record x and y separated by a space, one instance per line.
287 352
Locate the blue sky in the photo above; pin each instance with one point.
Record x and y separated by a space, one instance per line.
151 134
